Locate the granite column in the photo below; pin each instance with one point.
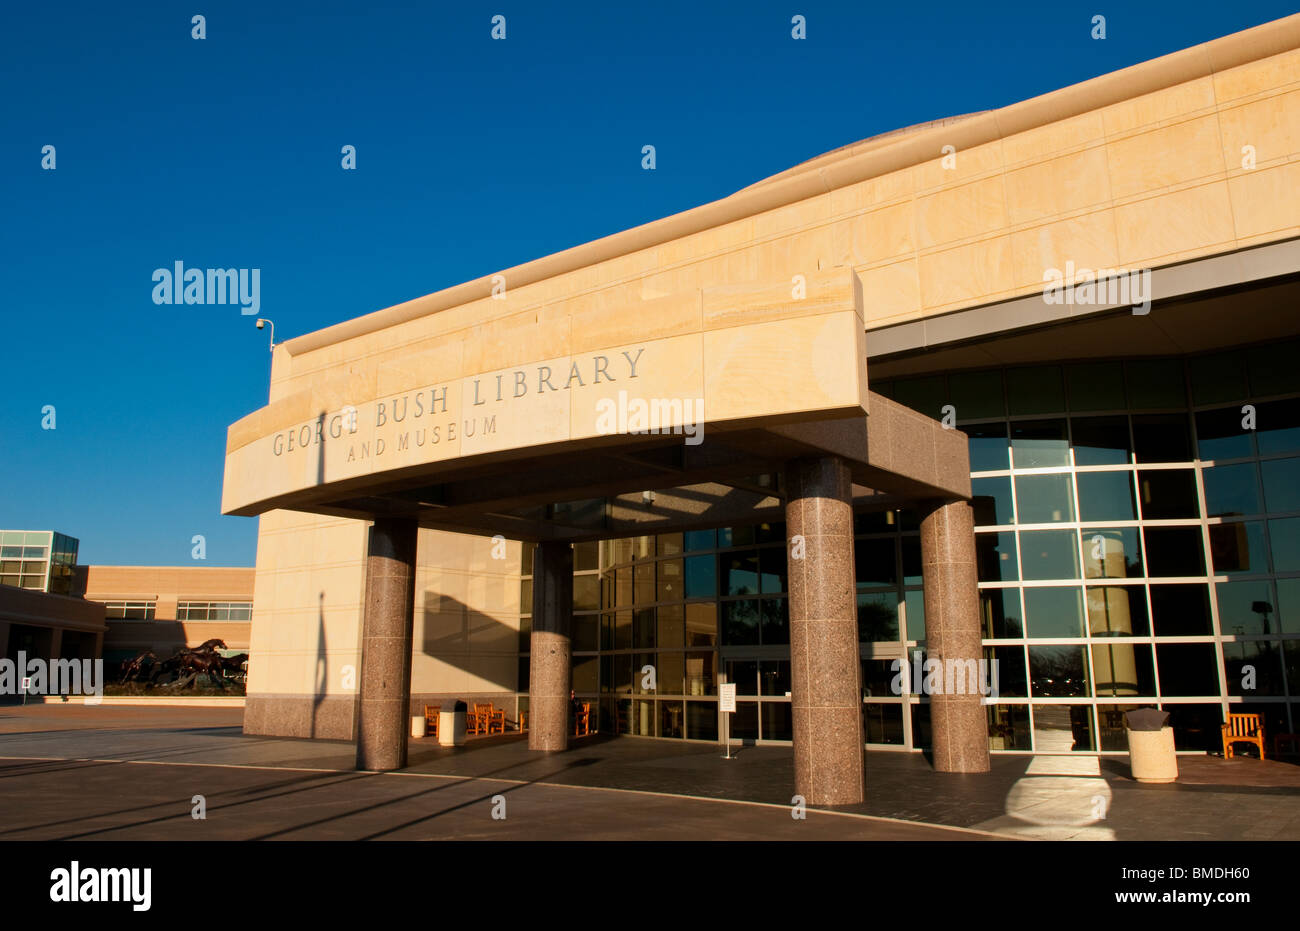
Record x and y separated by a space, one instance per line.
389 615
825 674
549 647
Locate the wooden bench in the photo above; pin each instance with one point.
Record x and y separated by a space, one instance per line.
493 718
582 720
431 713
1243 728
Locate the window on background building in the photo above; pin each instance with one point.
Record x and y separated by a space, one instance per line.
129 610
214 611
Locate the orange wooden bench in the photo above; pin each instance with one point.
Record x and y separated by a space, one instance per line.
582 720
431 713
493 718
1243 728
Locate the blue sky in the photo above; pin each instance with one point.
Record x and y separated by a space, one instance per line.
473 155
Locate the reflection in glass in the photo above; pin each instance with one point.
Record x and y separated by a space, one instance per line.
1278 426
991 501
701 720
1245 609
774 677
988 446
1054 613
1252 667
882 723
1162 438
701 672
1155 383
1288 605
776 720
878 617
1009 670
773 563
701 576
1181 610
1096 386
1174 551
669 671
740 621
1106 496
1035 390
1009 727
1284 535
1000 613
1100 440
672 627
775 622
1117 611
1049 554
1039 444
1187 668
1062 728
1231 490
1122 668
702 625
875 562
1167 494
671 585
914 608
1219 435
1044 499
670 719
995 557
1238 547
1111 553
977 394
1281 484
740 572
1058 671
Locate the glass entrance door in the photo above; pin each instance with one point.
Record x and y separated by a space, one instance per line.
762 699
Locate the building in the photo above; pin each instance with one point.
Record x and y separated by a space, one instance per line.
168 608
39 614
1015 386
38 560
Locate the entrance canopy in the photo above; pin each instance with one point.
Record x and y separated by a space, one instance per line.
667 413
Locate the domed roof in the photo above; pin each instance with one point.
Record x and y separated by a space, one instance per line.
864 145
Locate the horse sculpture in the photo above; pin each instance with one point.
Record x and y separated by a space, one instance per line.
132 668
187 665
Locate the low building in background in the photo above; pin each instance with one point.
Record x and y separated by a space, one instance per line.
168 608
38 614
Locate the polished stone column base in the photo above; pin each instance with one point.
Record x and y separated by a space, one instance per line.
958 718
549 675
389 614
825 674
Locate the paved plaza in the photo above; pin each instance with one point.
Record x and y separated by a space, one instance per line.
123 773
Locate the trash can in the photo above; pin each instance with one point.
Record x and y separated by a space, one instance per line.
417 725
451 724
1151 745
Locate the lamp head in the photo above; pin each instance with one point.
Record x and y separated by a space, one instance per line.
260 323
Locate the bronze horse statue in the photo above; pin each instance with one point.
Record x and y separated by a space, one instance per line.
132 668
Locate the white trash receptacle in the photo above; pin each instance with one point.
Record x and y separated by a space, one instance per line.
1151 746
417 725
451 724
